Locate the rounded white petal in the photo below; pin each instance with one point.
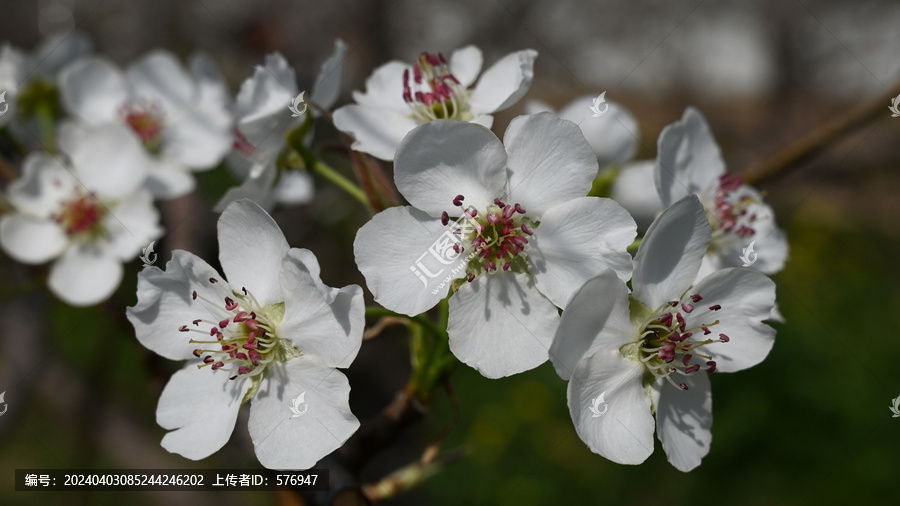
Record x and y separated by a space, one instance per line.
199 407
384 88
165 302
465 64
167 180
284 440
377 132
504 83
614 136
212 88
579 239
444 158
160 78
688 159
261 108
500 324
670 253
684 420
329 330
327 88
597 318
31 240
624 432
550 162
110 162
257 186
634 190
747 298
195 142
93 89
295 187
45 184
407 259
131 225
85 275
251 247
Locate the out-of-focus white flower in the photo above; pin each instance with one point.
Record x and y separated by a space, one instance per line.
269 333
529 238
263 118
649 351
399 96
90 215
179 115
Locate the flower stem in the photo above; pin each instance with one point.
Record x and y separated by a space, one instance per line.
44 114
635 245
343 183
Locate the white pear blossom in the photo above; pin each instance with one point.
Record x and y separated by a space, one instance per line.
530 236
12 73
179 115
689 161
399 96
262 119
614 136
89 214
269 333
633 189
650 351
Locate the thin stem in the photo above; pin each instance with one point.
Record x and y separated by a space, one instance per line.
635 245
45 119
820 138
345 184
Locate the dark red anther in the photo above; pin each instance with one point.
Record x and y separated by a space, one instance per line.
458 200
666 319
223 323
692 369
218 365
687 307
683 386
724 338
696 298
715 308
197 353
520 209
197 322
213 280
711 366
499 202
183 328
445 218
507 265
194 295
686 360
252 324
470 278
230 304
243 370
673 303
208 360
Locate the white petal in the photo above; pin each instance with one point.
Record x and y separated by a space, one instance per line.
93 89
31 240
465 64
684 420
597 318
285 441
384 88
579 239
256 187
634 190
165 303
614 136
376 131
504 83
212 88
688 160
624 433
132 225
407 259
295 187
110 162
200 407
251 247
160 78
550 162
262 104
670 254
45 184
195 142
85 275
167 180
444 158
330 331
327 87
501 325
747 298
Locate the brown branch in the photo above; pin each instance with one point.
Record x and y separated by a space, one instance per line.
819 139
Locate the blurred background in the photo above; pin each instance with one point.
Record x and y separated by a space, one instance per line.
809 425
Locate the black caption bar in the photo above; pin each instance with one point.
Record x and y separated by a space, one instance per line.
72 480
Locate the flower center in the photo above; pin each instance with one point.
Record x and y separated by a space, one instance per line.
146 120
669 347
496 238
729 213
244 340
434 93
82 216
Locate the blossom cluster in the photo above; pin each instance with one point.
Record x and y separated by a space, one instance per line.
531 263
